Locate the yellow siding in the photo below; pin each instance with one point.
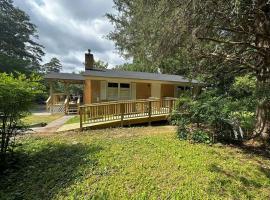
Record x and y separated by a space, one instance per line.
167 90
143 90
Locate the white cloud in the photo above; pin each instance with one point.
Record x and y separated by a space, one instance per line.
68 28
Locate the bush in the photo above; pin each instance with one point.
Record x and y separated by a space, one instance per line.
200 136
228 117
16 97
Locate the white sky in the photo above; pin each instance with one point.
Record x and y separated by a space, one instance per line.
67 28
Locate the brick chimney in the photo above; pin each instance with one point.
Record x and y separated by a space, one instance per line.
89 60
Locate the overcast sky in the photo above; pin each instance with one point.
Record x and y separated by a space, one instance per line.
67 28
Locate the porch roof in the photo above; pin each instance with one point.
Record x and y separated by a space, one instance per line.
65 77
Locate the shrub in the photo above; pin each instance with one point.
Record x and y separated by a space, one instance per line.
16 97
200 136
228 117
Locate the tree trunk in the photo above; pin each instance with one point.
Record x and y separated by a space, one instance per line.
263 121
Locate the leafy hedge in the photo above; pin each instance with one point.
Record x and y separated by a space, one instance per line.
229 116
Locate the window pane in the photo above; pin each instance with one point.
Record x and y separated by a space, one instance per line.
113 85
124 85
112 93
124 93
183 88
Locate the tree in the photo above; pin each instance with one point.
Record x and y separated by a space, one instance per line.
16 97
54 65
100 64
19 50
225 38
136 67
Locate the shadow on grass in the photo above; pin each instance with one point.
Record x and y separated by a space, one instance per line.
256 150
43 174
228 180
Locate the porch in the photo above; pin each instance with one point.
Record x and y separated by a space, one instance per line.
110 91
65 93
63 103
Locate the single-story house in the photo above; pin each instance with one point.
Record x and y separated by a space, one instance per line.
102 85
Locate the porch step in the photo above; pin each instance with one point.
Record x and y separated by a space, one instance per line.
72 111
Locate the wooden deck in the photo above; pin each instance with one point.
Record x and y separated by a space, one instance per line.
122 113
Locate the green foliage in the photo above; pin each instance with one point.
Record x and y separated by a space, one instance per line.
19 48
230 117
53 66
136 67
132 163
16 97
207 39
244 86
100 64
200 136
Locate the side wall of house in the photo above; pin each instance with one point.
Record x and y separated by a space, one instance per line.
167 90
96 90
156 90
143 90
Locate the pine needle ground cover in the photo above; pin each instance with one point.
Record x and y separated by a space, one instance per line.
132 163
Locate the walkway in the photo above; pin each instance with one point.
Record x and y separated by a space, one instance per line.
54 125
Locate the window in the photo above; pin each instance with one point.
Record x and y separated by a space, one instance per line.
124 85
124 91
117 91
183 88
113 85
112 92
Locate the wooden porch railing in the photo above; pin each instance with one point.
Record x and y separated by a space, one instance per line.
121 110
66 104
48 103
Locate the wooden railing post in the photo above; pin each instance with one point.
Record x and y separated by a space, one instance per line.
122 111
81 123
160 104
149 112
170 106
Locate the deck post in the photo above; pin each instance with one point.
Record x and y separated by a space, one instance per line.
149 112
51 91
81 124
122 111
170 106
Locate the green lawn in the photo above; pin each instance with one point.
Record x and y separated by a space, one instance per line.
75 119
132 163
36 119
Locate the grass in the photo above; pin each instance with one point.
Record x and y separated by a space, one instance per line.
132 163
73 120
36 119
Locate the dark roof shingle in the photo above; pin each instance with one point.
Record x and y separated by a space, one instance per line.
119 74
137 75
64 76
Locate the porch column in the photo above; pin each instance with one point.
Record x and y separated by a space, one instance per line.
87 92
51 88
66 85
51 91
